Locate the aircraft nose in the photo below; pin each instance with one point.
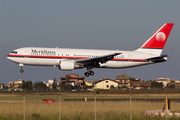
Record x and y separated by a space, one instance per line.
8 57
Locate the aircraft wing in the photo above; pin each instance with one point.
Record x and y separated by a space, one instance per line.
96 60
158 59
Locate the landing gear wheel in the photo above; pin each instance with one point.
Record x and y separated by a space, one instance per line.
91 73
21 70
86 74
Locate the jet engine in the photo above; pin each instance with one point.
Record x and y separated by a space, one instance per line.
66 65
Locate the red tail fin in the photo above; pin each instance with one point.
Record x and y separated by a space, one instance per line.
158 40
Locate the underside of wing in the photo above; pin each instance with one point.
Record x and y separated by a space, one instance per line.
95 61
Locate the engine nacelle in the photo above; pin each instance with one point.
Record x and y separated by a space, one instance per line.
66 65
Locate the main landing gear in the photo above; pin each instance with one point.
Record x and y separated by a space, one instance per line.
89 72
21 66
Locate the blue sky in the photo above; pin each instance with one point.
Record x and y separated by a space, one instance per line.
123 25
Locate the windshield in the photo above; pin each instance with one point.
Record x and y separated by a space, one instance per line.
15 52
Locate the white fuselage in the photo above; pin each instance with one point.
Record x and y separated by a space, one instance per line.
52 56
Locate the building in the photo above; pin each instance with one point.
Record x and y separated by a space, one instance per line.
123 80
165 81
16 84
177 81
176 85
1 86
58 85
73 80
88 83
140 84
134 84
11 84
49 83
105 84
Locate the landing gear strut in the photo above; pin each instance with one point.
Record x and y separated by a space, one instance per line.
21 66
89 72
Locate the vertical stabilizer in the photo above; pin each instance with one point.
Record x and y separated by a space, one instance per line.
156 43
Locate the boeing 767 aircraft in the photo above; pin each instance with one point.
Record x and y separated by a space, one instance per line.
70 59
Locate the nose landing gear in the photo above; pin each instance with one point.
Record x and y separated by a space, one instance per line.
21 70
21 66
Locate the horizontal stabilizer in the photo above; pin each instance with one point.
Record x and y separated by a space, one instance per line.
159 58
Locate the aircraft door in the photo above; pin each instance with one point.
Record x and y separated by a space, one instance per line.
26 53
130 57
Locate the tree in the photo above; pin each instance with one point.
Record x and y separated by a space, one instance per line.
112 87
63 86
68 78
54 84
157 85
77 87
27 85
171 86
124 86
134 79
149 80
40 86
5 88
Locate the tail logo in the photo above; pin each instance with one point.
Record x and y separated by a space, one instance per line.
160 36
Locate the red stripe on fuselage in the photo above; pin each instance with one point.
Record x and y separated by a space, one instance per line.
68 57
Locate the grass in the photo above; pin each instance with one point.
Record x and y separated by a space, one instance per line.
11 107
81 110
88 96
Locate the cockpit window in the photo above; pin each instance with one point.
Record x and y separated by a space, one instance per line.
15 52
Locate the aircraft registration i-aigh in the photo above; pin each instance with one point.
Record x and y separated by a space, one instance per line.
70 59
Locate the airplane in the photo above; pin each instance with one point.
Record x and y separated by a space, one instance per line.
70 59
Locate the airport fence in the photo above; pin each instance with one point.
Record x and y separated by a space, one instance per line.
87 106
